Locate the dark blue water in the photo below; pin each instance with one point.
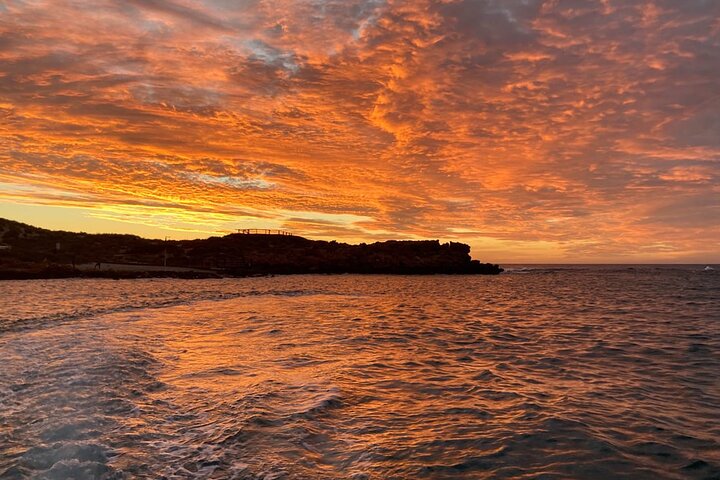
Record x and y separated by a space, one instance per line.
545 372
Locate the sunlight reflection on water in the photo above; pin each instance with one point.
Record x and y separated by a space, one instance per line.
568 374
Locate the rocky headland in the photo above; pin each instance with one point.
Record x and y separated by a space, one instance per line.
31 252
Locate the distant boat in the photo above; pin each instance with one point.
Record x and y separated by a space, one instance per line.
708 268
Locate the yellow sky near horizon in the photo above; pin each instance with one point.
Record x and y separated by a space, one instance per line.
546 131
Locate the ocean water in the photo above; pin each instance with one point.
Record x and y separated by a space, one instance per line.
544 372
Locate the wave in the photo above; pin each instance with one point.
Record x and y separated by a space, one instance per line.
134 303
599 268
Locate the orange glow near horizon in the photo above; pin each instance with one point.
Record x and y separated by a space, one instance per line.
544 131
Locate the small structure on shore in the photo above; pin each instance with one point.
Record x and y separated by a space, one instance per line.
262 231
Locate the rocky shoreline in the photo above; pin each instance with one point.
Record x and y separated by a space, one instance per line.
29 252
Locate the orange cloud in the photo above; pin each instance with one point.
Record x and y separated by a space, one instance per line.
573 130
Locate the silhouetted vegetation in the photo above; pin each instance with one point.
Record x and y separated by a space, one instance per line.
44 253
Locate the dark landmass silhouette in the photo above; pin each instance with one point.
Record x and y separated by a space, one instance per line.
31 252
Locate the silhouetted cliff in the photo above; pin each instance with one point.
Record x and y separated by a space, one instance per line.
23 247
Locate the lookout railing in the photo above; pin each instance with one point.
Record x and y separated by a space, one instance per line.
262 231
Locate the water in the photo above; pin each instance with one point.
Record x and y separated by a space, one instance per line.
584 372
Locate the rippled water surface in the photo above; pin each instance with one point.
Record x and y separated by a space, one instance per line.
603 372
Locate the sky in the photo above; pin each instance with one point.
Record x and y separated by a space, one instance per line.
543 131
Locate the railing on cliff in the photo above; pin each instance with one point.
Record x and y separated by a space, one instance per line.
262 231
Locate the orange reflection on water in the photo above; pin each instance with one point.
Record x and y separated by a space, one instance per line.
369 376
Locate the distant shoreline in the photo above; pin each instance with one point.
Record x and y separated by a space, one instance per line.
58 272
29 252
50 272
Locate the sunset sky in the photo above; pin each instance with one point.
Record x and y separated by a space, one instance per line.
546 131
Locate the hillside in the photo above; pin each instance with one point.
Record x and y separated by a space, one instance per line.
31 249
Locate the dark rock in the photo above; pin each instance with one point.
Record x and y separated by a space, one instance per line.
34 254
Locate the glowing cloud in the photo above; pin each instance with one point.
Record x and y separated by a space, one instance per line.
534 130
